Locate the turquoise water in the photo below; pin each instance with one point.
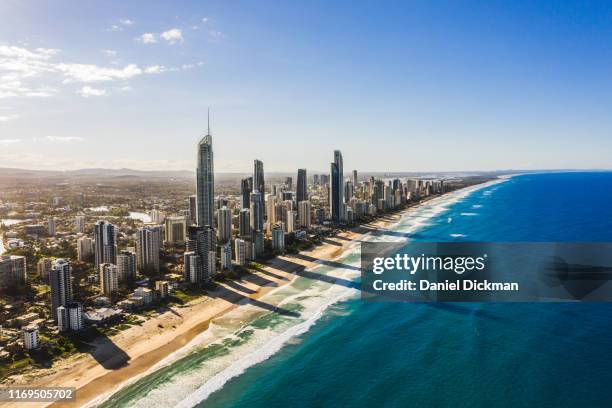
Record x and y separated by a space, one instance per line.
404 354
331 349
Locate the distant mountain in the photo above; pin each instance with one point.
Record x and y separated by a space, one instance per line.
25 173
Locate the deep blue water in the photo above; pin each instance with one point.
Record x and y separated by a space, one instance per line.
458 354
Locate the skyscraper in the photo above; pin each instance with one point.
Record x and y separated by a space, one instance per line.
302 186
12 270
336 193
246 187
79 223
205 187
259 185
354 178
60 280
244 223
304 214
126 266
224 225
148 242
176 229
193 210
109 279
85 247
105 237
201 246
257 219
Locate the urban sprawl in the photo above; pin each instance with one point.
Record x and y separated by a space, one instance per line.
99 260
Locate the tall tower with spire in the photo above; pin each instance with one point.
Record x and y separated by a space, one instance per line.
336 193
205 179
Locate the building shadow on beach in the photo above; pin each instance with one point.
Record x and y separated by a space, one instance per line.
238 294
102 349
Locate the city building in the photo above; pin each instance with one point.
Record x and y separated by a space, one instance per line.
224 225
162 288
225 255
51 226
79 223
105 243
302 186
278 238
258 180
205 181
257 214
157 217
13 270
43 268
193 210
246 187
271 201
176 230
145 293
244 223
258 243
85 248
202 242
241 251
70 317
336 195
109 279
30 337
304 214
60 281
148 243
126 265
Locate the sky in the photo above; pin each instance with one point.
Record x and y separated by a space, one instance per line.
395 85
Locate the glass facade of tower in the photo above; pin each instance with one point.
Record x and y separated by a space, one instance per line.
205 188
337 188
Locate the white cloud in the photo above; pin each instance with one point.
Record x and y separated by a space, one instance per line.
155 69
173 35
121 25
24 71
64 139
88 91
6 118
125 88
4 142
205 20
147 38
94 73
215 34
109 53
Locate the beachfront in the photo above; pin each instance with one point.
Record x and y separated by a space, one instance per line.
151 344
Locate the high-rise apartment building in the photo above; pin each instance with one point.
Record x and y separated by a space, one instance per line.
60 280
302 186
109 279
336 194
176 230
224 225
205 181
105 243
126 265
148 243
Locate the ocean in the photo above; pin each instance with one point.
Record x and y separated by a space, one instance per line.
341 351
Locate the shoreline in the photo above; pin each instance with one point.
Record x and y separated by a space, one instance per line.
167 335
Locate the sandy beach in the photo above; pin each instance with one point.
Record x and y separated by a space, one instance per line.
138 349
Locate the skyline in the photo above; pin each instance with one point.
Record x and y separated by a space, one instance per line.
406 87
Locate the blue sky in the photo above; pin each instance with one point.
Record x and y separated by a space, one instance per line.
397 86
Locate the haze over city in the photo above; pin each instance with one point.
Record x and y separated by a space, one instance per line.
413 86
